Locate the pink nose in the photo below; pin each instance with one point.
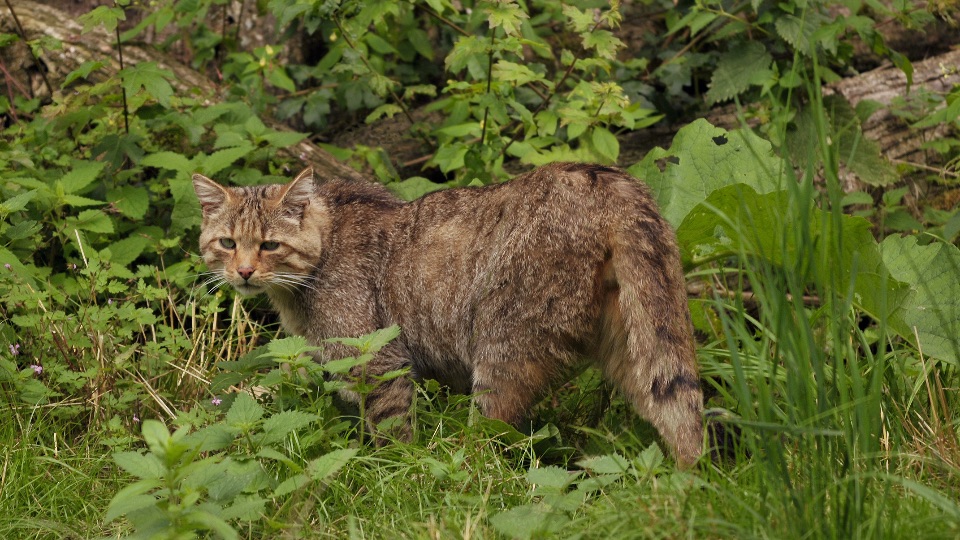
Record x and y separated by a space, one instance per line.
245 272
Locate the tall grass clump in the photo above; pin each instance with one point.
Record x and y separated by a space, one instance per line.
815 382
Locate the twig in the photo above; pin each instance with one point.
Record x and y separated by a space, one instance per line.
925 167
23 35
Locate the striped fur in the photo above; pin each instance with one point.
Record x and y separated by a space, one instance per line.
501 291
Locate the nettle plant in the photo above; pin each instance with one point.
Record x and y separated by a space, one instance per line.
538 87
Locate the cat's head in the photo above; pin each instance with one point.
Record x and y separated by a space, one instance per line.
262 237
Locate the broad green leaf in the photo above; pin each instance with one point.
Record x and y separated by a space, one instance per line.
107 16
277 427
291 484
144 466
414 188
78 201
608 464
606 144
329 464
244 412
745 64
933 307
550 476
16 203
131 499
124 252
93 221
221 159
702 159
150 77
288 348
529 521
131 201
156 436
82 175
168 160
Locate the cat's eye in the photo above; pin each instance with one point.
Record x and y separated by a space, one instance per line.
228 243
269 246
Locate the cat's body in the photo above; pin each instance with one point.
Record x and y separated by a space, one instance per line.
500 291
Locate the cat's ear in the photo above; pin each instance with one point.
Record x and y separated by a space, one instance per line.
298 192
211 194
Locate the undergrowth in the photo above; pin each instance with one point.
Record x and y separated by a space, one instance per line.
141 400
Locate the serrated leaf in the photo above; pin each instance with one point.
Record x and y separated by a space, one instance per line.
244 412
798 31
131 499
222 159
131 201
156 436
608 464
124 252
79 202
529 521
291 484
82 175
330 464
279 426
737 69
550 476
17 202
150 77
168 160
143 466
414 188
93 221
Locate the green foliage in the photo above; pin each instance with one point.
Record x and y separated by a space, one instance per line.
829 355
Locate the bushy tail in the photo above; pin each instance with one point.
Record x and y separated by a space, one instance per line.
647 337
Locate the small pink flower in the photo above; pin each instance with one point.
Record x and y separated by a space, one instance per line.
7 266
36 369
216 401
15 349
136 419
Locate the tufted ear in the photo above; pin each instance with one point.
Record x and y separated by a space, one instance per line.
211 194
298 193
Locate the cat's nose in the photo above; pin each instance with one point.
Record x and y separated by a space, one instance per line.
245 272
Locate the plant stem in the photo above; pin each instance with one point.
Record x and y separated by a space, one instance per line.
23 36
123 89
486 110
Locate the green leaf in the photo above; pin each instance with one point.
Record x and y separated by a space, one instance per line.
244 412
608 464
83 72
107 16
745 64
171 161
529 521
798 31
704 158
131 499
279 426
606 144
156 436
505 14
414 188
150 77
16 203
82 175
933 306
291 484
131 201
222 159
144 466
329 464
550 476
125 251
93 221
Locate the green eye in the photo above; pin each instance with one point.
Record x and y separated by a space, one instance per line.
269 246
228 243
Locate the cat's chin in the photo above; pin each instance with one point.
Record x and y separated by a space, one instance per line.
248 290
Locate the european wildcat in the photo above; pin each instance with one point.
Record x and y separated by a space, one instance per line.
499 291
